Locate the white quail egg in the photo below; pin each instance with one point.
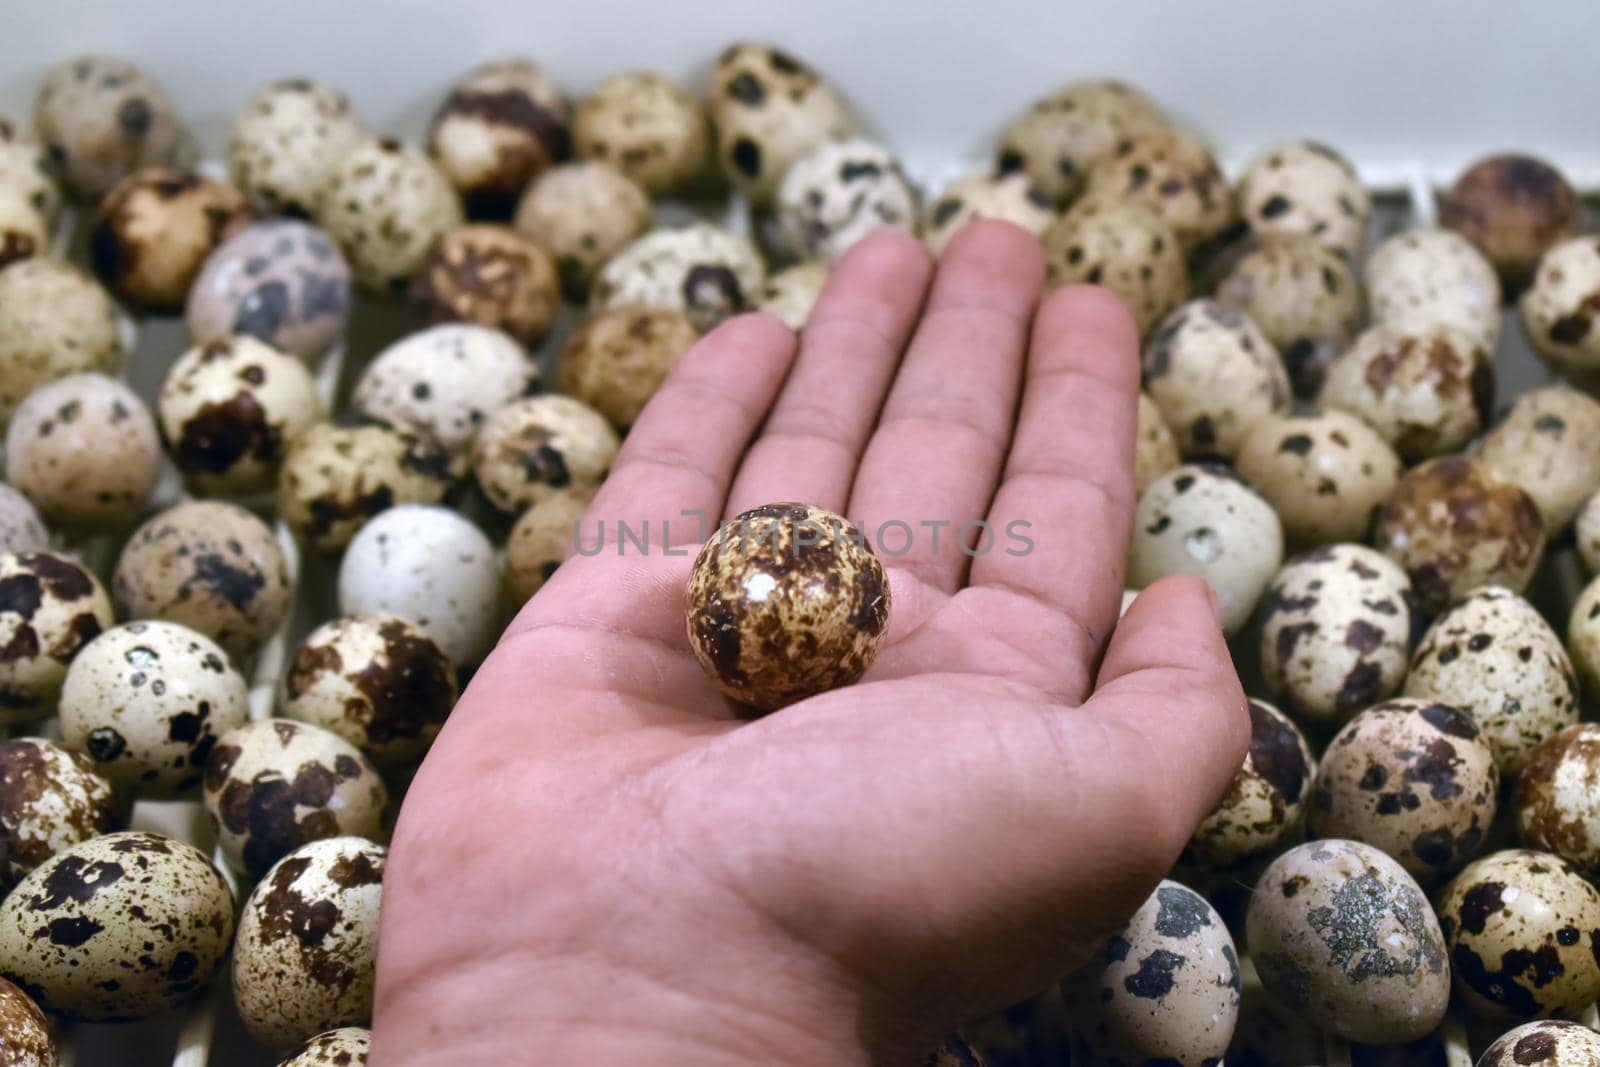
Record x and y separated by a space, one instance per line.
529 449
1549 444
50 798
1558 309
1065 132
840 192
285 141
503 123
1419 279
492 276
791 293
1325 474
1547 1042
50 607
387 205
541 540
156 227
1125 247
345 1047
1513 207
770 109
1007 197
647 126
1308 188
1556 806
1172 174
582 214
55 320
616 361
1265 805
101 118
702 270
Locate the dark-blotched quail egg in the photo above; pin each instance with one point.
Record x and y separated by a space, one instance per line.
1307 188
1512 207
770 108
1065 132
55 320
1549 444
24 232
702 270
25 172
345 1047
1558 309
50 607
154 230
838 193
118 927
1265 804
582 214
1172 174
1325 474
387 205
1007 197
1155 450
615 361
25 1037
1125 247
541 540
647 126
503 123
21 528
529 449
1419 279
284 142
1547 1042
1556 804
492 276
101 118
791 293
50 798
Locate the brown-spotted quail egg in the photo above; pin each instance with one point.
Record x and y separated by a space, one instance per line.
616 360
1007 197
1203 520
101 118
1214 375
1325 474
306 953
770 109
1586 531
502 125
1454 524
447 380
387 205
702 270
647 126
1522 928
25 1037
582 214
285 141
274 784
50 607
840 192
1126 248
280 281
1558 308
1172 174
1556 805
25 172
146 701
24 232
492 276
1065 132
345 1047
50 798
1494 657
55 320
430 566
1265 804
532 448
210 566
1308 188
1418 279
1512 207
1155 450
1164 989
154 230
1335 632
1583 636
1549 444
340 474
791 293
1547 1042
1414 778
21 528
1340 933
541 540
119 927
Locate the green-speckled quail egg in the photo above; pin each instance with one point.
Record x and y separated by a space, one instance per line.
446 380
582 214
1522 928
529 449
1065 132
21 528
55 320
1454 524
210 566
431 566
1308 188
1304 297
1126 248
1155 450
1335 632
25 172
285 141
1556 804
1265 805
345 1047
1423 278
702 270
387 205
146 701
289 986
503 123
1341 934
1513 207
50 607
840 192
616 361
1172 174
1558 309
1203 520
101 118
340 474
1214 375
50 798
119 927
24 232
791 293
1548 1043
1007 197
274 784
1549 444
541 541
1414 778
154 230
25 1037
647 126
770 109
1325 474
1164 989
493 276
1494 657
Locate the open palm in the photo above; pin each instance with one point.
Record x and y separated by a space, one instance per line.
601 862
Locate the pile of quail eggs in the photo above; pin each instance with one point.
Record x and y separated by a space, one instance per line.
259 584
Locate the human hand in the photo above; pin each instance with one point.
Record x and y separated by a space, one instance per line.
600 862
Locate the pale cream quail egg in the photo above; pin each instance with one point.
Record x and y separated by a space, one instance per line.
1308 188
1586 532
1558 310
791 293
154 230
839 193
1065 132
25 172
1125 247
1175 176
1583 636
101 118
50 798
616 361
770 108
1513 207
1155 450
1547 1042
50 607
25 1037
24 232
705 271
1549 444
1556 805
1265 804
647 126
1325 474
502 125
582 214
1007 197
492 276
55 320
21 528
530 449
1418 279
387 205
285 141
345 1047
541 540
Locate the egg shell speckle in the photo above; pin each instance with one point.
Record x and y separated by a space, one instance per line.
1512 207
1172 174
50 798
702 270
492 276
616 361
840 192
1549 444
503 123
1548 1043
1419 279
152 233
541 540
25 172
1007 197
50 607
21 528
1307 188
533 448
1556 805
648 126
1065 132
1266 801
25 1037
285 141
1125 247
24 232
387 205
55 320
770 108
1325 474
582 214
1557 311
102 118
345 1047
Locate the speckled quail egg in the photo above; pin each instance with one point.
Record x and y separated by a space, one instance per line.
1199 519
340 474
1549 444
210 566
55 320
1414 778
647 126
25 172
50 798
1556 805
146 701
1308 188
58 441
387 205
378 681
1008 197
1214 375
491 276
430 566
306 952
24 232
118 927
1064 133
1336 630
1164 989
446 380
582 214
791 293
274 784
1265 805
702 270
1124 247
616 360
1522 928
541 540
1559 307
1304 297
1155 449
25 1037
1340 933
840 192
153 231
101 118
770 109
285 141
21 528
345 1047
280 281
1454 524
1512 207
50 607
1586 531
529 449
1583 636
503 123
1325 474
1547 1042
1422 278
1172 174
